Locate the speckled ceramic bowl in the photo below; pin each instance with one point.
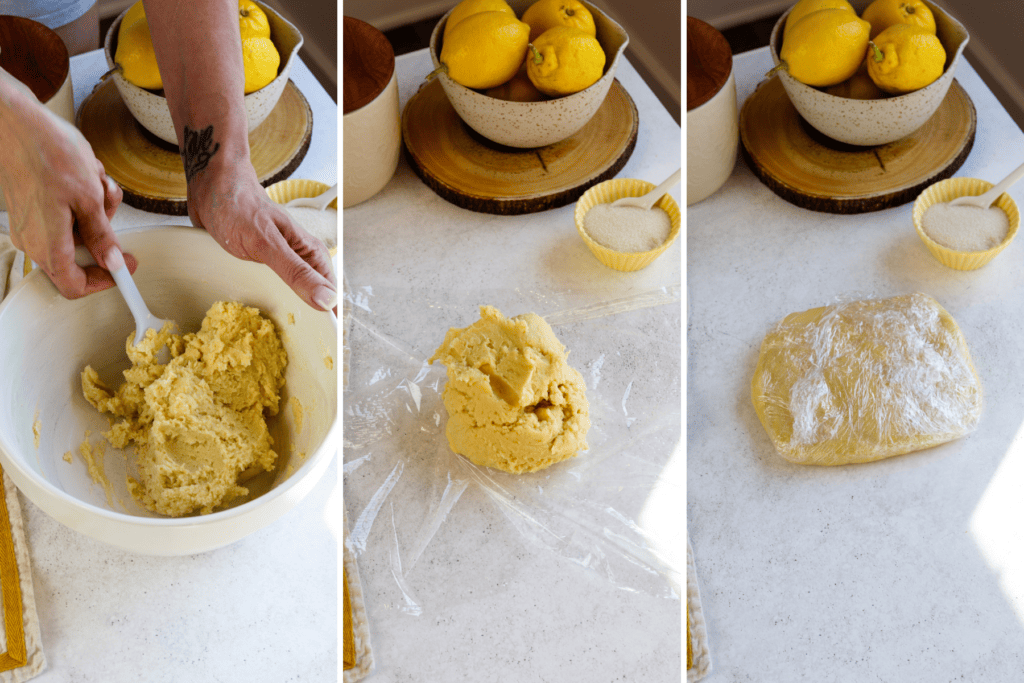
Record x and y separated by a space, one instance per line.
533 124
948 190
874 122
150 107
606 193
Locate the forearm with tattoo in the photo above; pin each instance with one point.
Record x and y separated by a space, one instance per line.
197 150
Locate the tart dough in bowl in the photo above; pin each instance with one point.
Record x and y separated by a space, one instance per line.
197 422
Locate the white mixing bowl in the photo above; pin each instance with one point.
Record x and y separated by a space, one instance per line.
46 340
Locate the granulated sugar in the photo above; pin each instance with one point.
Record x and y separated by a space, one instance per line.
965 228
322 224
628 229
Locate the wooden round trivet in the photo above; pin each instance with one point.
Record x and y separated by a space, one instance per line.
470 171
816 172
150 171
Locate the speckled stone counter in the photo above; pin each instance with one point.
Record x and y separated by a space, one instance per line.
264 609
469 575
909 569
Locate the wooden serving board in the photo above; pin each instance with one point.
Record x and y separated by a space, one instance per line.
150 171
470 171
813 171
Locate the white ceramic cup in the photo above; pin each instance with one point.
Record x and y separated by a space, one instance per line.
372 143
37 56
712 137
63 102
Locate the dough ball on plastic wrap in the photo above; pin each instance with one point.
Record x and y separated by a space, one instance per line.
514 403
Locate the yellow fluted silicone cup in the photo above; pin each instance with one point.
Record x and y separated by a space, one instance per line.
609 191
284 191
948 190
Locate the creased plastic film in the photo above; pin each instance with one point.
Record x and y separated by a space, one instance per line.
402 481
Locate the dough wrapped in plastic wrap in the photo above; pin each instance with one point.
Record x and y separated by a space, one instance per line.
866 380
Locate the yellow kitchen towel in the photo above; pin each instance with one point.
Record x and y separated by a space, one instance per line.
358 657
698 662
22 656
21 652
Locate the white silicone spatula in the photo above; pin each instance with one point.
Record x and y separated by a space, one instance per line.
649 199
144 320
985 200
318 202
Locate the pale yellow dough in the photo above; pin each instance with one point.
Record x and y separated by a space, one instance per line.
197 423
514 403
865 380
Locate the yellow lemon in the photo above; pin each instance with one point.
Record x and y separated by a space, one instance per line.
261 61
252 20
545 14
825 47
858 86
136 57
564 60
134 13
805 7
517 89
882 14
905 58
485 49
468 8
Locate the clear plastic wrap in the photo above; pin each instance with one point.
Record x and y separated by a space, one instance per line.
402 480
865 380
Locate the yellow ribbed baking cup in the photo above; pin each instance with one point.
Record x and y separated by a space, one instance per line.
948 190
609 191
10 586
284 191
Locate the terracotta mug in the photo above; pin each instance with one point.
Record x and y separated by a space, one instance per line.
372 122
36 56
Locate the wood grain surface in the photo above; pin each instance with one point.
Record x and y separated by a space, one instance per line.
33 54
368 62
150 171
708 62
470 171
815 172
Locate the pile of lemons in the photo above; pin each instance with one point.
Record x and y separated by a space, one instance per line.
551 51
890 49
137 61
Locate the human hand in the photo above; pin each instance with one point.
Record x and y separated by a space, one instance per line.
234 208
57 193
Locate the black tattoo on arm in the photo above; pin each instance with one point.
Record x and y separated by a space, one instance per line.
196 151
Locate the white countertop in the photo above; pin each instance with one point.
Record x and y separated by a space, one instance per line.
907 569
470 574
263 609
